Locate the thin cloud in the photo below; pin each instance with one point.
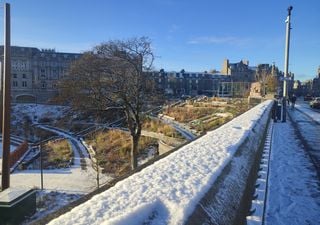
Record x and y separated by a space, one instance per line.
173 28
219 40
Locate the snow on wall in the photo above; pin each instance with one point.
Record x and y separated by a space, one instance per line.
228 199
168 191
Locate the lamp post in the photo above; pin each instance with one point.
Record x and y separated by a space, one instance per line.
6 92
286 65
41 165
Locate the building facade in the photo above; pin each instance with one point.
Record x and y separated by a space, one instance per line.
308 87
35 73
240 71
199 83
316 84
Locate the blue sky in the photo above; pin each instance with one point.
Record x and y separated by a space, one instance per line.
195 35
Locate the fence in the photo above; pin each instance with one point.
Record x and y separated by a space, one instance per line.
18 153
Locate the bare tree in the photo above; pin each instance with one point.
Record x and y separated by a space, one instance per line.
114 75
262 76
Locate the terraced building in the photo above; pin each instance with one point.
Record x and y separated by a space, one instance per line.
35 72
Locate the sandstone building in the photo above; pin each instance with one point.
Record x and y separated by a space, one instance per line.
35 72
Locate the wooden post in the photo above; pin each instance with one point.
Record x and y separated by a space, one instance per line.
6 101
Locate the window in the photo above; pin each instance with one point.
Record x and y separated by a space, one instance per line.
15 83
24 76
24 83
42 72
15 75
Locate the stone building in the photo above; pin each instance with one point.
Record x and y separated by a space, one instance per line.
316 84
34 72
240 71
188 83
198 83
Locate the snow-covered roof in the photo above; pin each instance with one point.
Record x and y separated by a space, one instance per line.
169 189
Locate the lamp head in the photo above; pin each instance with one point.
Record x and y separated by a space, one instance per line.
289 10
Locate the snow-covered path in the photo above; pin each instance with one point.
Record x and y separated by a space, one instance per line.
69 136
186 133
294 187
74 179
183 131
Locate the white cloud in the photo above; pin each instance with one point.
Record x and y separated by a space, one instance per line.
220 40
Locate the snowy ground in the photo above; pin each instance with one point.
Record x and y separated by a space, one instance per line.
305 107
37 111
50 201
168 191
294 188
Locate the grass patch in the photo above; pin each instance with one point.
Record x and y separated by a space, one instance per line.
208 113
160 127
57 154
187 114
113 150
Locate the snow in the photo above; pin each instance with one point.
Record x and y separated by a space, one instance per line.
304 107
293 193
50 201
37 111
168 191
12 148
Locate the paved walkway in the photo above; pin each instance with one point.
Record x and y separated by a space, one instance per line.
293 195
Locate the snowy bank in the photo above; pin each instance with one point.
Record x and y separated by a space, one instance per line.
175 188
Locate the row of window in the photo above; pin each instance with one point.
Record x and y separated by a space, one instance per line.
15 83
24 76
25 84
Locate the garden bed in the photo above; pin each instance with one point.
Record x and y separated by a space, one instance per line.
57 154
112 148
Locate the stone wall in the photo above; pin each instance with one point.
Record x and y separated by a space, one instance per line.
228 200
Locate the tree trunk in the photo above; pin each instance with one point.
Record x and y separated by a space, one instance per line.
134 151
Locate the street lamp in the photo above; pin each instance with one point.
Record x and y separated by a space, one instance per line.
41 165
286 65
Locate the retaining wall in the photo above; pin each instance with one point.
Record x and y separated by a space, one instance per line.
229 198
